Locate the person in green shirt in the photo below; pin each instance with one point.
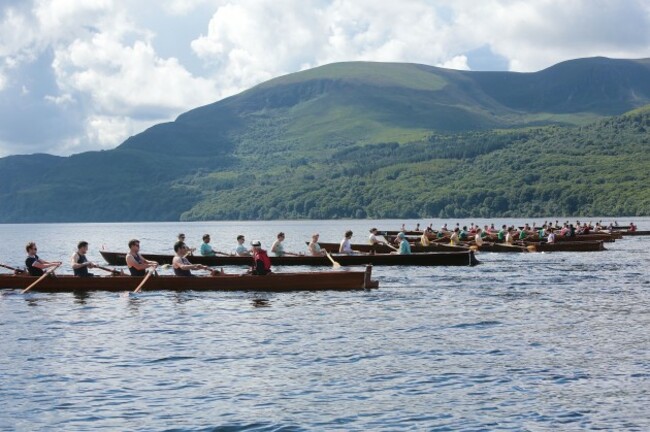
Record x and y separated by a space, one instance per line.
206 249
501 235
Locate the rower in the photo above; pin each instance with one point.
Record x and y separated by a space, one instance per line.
241 250
137 264
632 227
206 249
454 240
261 261
373 240
181 238
346 246
501 235
509 237
404 246
424 239
478 237
80 263
182 266
313 247
278 248
35 265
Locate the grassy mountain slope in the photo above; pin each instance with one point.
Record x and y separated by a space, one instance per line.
348 140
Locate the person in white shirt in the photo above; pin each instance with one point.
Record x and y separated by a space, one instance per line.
346 245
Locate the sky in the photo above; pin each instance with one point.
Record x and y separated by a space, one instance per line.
80 75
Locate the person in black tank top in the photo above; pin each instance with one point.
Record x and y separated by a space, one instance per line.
35 265
182 266
137 264
80 263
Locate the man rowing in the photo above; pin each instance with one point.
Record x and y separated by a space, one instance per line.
80 263
136 263
241 250
183 267
206 248
261 261
35 265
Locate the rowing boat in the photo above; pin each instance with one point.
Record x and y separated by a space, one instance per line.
382 248
305 281
460 258
566 246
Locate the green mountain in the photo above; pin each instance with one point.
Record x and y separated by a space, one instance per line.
368 140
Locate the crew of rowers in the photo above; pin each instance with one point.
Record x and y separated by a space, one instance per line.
138 265
547 232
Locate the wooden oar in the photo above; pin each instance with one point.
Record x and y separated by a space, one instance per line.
144 281
334 263
112 271
17 270
46 274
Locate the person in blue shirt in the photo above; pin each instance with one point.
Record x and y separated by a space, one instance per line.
404 246
241 250
206 249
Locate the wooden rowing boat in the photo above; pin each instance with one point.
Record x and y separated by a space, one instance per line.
305 281
460 258
383 249
634 233
566 246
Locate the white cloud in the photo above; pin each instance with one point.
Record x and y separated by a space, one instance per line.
458 62
105 63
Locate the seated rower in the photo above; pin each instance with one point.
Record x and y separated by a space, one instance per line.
182 266
632 227
313 247
241 250
261 261
278 248
404 246
181 238
424 240
346 246
80 263
136 263
454 240
478 237
206 249
551 237
510 240
373 240
35 265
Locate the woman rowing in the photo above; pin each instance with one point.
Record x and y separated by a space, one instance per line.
136 263
313 247
346 245
182 266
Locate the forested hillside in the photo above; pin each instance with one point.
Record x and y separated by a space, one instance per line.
364 139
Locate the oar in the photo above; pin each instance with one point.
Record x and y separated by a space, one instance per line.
112 271
46 274
334 263
17 270
144 281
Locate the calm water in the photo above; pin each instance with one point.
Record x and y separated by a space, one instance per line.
522 342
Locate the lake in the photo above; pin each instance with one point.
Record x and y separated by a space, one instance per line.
543 341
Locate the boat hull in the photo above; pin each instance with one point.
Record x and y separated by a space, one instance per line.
461 258
305 281
579 246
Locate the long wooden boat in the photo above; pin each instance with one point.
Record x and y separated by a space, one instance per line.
460 258
635 233
579 246
383 249
304 281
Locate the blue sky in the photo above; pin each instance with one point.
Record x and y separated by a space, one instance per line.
86 75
